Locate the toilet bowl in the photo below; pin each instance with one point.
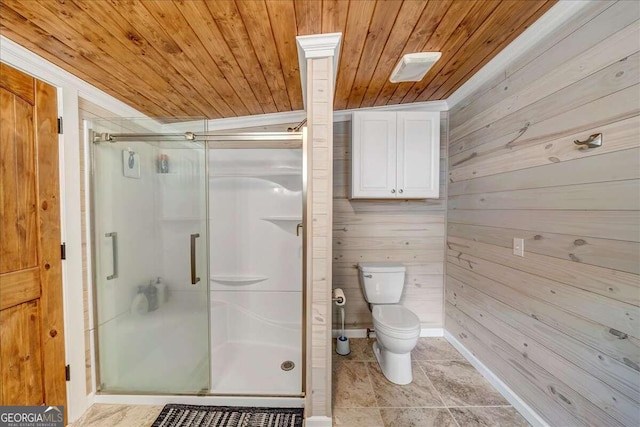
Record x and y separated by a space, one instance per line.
397 332
397 328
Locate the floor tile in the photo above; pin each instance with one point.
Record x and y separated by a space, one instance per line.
417 417
435 349
101 415
489 417
351 386
419 393
460 384
357 417
360 350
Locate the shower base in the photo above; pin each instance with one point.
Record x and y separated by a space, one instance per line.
255 368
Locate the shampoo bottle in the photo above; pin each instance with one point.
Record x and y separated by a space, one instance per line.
140 303
152 296
162 291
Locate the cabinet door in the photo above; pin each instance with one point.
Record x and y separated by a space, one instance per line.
418 165
373 173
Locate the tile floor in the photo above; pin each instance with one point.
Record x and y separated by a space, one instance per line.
102 415
446 391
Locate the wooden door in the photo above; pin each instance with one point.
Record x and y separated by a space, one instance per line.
32 361
418 136
373 172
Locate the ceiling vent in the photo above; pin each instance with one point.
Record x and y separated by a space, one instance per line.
412 67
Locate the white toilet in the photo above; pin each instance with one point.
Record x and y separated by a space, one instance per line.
397 328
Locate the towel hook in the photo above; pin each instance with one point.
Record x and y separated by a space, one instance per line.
594 141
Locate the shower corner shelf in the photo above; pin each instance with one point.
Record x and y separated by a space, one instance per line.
237 280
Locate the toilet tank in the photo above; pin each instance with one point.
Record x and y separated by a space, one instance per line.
382 282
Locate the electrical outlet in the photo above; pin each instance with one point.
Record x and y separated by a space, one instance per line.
518 246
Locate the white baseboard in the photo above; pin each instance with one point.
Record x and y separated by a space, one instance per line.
432 332
350 333
525 410
318 422
362 333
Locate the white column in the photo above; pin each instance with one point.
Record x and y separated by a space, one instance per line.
318 55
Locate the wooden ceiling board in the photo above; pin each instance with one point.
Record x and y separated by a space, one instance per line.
407 36
167 85
512 34
282 15
508 16
170 19
212 40
439 20
235 36
308 16
133 14
145 51
334 15
227 58
87 43
383 20
353 38
17 28
256 20
445 39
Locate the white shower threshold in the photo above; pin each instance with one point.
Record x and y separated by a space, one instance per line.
139 399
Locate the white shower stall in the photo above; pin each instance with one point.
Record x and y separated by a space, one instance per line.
197 262
255 206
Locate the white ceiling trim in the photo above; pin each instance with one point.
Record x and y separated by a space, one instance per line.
317 46
294 117
555 17
434 106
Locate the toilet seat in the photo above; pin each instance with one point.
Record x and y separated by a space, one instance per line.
395 320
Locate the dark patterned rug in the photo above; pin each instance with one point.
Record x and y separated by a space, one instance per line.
174 415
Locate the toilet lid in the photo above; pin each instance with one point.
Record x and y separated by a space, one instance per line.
395 317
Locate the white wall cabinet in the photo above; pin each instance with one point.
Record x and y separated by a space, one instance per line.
395 155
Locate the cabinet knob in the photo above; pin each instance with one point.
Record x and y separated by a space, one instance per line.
401 191
393 190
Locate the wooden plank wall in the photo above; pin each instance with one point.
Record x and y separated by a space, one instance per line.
561 325
410 232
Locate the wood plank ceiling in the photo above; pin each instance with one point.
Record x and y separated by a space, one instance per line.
222 58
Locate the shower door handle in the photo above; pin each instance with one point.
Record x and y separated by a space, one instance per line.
114 253
194 279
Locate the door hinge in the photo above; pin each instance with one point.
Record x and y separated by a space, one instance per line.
59 125
63 251
67 372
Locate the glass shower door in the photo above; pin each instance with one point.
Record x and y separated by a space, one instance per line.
150 266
